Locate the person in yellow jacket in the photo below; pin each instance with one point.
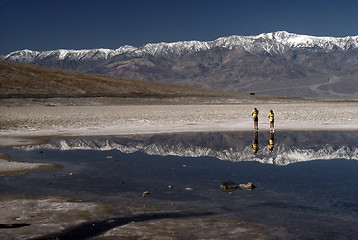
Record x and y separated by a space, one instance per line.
271 117
255 117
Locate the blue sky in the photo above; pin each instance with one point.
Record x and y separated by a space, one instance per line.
86 24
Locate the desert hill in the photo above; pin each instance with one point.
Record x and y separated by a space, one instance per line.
28 80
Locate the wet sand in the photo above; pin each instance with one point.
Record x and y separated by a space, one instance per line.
33 217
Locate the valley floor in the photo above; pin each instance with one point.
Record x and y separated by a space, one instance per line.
28 124
25 124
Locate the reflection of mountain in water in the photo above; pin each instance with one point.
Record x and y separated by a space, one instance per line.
290 147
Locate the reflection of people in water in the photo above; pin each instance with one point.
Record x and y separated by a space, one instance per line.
255 117
271 117
271 143
255 142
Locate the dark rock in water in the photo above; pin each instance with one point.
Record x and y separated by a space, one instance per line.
228 186
249 186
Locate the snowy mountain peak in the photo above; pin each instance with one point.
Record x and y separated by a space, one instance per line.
273 43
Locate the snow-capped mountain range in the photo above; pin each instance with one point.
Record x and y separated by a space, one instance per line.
282 155
276 42
278 63
289 147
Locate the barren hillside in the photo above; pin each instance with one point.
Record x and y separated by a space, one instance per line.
26 80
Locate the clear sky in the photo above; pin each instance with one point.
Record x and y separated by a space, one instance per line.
86 24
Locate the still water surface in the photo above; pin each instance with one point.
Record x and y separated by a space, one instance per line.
307 182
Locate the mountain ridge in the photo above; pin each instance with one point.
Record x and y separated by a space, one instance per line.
283 38
278 64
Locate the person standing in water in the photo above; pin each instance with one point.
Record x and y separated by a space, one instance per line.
255 117
271 117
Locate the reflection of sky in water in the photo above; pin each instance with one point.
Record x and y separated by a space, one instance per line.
307 197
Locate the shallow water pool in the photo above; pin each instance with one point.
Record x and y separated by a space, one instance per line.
306 182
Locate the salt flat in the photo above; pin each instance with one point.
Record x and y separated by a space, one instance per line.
26 122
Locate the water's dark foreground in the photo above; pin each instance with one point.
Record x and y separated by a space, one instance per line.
307 186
